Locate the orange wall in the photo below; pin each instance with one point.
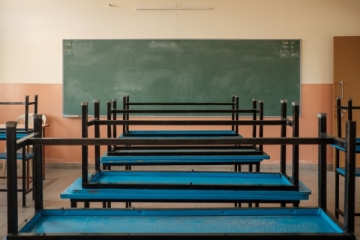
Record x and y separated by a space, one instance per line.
315 98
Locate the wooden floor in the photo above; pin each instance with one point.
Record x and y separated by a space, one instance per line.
57 180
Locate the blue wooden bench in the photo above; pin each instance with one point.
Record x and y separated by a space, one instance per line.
190 155
76 193
311 223
183 156
19 135
237 155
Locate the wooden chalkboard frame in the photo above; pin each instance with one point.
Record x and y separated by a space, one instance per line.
86 61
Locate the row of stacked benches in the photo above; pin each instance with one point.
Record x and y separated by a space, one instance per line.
111 185
189 155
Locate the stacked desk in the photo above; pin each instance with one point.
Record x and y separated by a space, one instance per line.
109 158
76 193
180 155
256 223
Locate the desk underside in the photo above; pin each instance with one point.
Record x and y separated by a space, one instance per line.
254 222
76 192
357 147
182 160
189 178
206 180
341 171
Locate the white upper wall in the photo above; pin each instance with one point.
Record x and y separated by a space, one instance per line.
31 31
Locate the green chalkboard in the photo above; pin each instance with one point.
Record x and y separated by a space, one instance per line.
180 71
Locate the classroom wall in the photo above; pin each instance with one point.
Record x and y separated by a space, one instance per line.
31 33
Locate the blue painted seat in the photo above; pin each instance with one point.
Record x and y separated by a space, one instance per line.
186 223
341 171
18 135
188 177
76 193
261 185
143 159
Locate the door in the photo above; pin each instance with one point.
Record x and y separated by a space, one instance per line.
347 81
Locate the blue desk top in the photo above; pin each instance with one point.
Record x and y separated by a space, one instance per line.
342 149
185 177
176 159
75 191
18 135
341 171
183 221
